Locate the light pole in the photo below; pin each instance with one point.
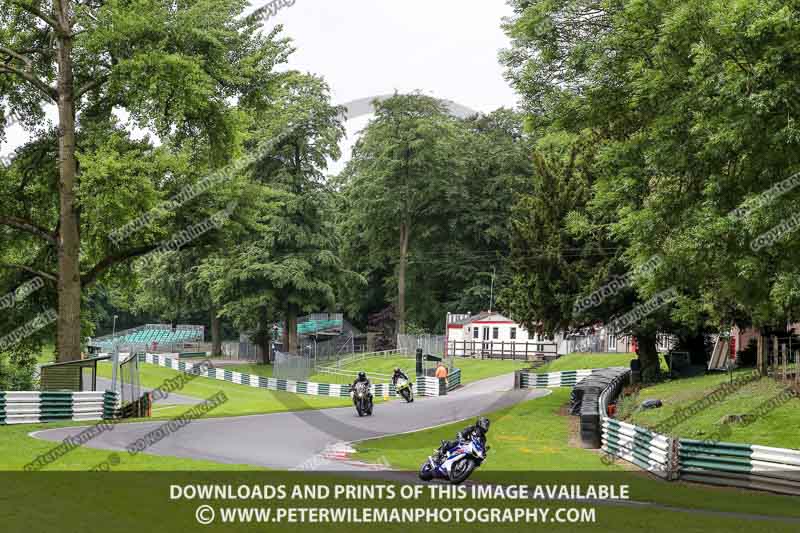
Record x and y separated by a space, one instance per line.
114 357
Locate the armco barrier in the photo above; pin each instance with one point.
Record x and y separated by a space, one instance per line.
334 390
423 386
717 463
36 407
566 378
647 450
740 465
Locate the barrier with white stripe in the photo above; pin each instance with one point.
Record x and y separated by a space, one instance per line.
740 465
566 378
431 386
647 450
333 390
424 386
747 466
36 407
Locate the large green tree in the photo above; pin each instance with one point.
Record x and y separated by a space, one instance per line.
691 106
173 68
285 260
398 187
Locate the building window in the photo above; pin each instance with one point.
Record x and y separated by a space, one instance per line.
495 333
612 342
474 333
513 333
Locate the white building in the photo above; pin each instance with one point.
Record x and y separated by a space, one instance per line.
490 334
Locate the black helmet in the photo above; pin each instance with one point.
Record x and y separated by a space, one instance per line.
397 369
483 423
362 375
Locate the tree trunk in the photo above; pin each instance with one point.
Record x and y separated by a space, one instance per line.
761 354
290 331
695 344
647 351
69 273
216 337
401 280
267 355
264 338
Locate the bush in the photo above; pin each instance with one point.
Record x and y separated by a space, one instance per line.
17 371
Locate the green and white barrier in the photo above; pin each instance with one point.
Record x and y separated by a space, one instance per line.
746 466
740 465
566 378
647 450
431 386
334 390
423 386
37 407
454 379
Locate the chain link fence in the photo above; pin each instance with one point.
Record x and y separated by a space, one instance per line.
295 367
430 344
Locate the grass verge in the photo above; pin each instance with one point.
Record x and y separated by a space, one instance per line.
778 428
581 361
18 448
471 369
243 400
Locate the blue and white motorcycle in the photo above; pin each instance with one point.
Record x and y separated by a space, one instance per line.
457 463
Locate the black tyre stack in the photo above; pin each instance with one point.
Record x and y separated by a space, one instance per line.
585 402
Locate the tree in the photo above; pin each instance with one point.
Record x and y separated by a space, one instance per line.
687 105
494 166
397 185
175 68
285 260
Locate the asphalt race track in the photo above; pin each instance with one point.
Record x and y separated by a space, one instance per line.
298 440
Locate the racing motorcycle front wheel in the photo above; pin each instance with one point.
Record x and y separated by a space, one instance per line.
461 471
426 471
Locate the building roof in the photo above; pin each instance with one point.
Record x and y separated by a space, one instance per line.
483 315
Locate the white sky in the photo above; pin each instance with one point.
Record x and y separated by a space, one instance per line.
444 48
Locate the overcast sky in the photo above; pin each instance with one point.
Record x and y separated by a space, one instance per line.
444 48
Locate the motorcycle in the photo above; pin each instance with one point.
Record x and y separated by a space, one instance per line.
457 464
403 388
362 399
